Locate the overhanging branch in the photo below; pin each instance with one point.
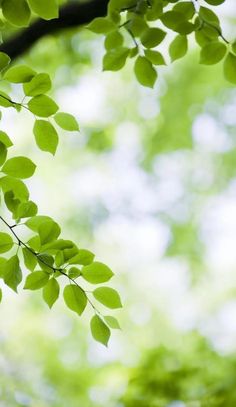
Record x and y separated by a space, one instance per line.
71 15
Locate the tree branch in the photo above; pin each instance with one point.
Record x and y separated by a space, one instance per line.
71 15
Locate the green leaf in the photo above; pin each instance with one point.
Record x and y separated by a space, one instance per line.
48 231
101 25
11 202
46 136
186 8
215 2
75 298
154 12
112 322
12 273
108 297
35 222
155 57
152 37
100 331
0 295
144 72
26 210
178 47
137 25
19 74
6 242
74 272
19 167
172 19
17 12
42 106
46 262
45 9
3 153
5 100
51 292
5 139
115 59
15 185
209 16
212 53
2 266
113 40
66 121
36 280
59 244
84 257
230 68
38 85
30 259
34 243
4 60
96 273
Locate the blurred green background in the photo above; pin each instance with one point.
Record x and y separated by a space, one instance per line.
149 185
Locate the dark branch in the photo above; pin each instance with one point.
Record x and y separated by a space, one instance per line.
72 15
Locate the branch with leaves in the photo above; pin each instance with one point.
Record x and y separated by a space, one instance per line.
133 30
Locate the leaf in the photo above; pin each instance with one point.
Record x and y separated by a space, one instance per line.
172 19
4 60
74 272
209 16
12 273
45 9
84 257
46 262
155 57
17 12
178 47
5 139
75 298
59 244
3 153
96 273
215 2
19 167
112 322
46 136
108 297
115 59
2 266
186 8
144 72
36 280
152 37
6 242
230 68
42 106
39 84
51 292
66 121
212 53
35 222
100 331
113 40
48 231
30 259
16 186
5 100
26 210
19 74
101 25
